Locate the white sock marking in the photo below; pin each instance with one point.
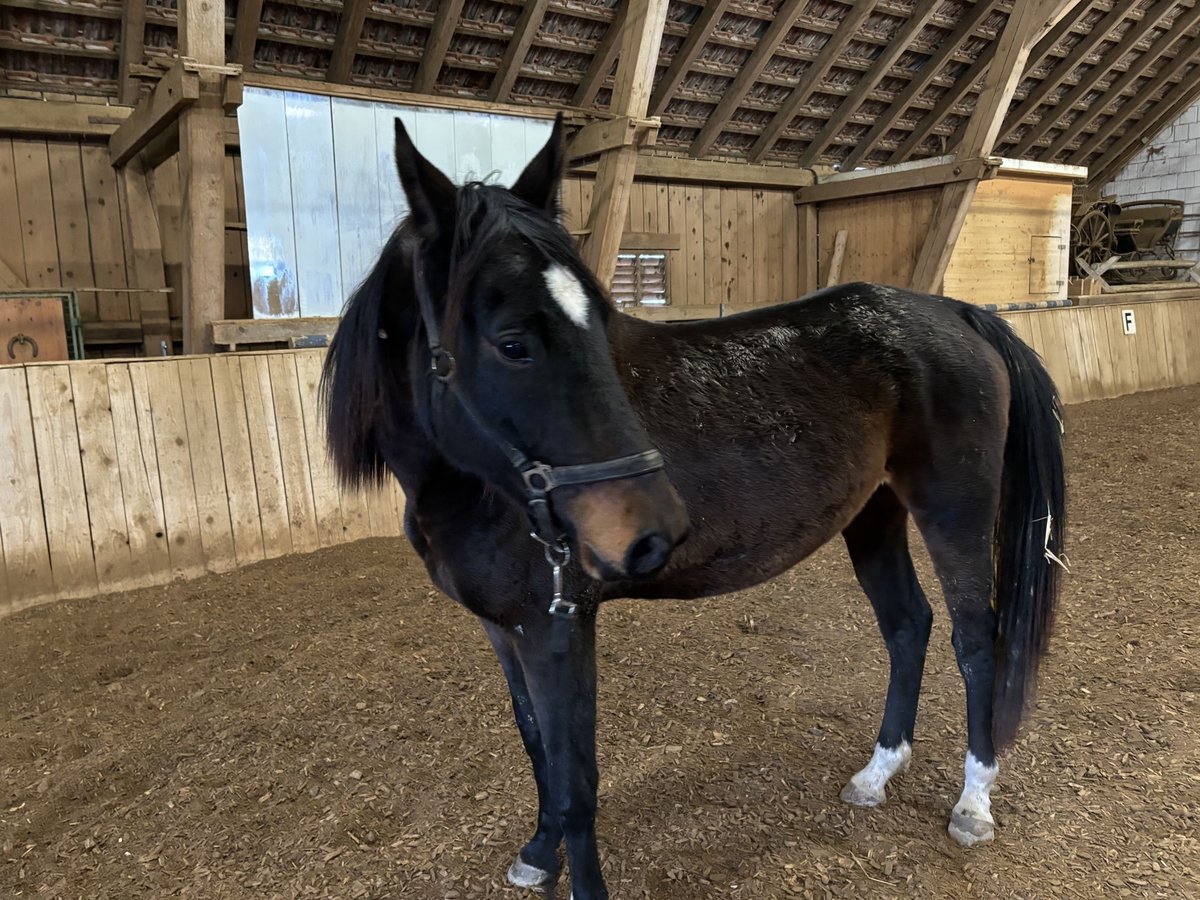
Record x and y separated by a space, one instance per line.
976 799
565 288
883 765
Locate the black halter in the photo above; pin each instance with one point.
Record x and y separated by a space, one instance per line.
539 478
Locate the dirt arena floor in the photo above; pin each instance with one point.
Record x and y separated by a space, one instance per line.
327 726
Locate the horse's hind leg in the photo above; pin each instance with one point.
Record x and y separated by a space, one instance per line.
957 524
878 543
537 863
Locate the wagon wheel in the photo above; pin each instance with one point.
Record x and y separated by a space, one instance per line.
1094 238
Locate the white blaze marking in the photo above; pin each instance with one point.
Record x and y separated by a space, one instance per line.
883 765
568 293
976 799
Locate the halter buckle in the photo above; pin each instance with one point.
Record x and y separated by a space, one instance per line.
443 364
538 478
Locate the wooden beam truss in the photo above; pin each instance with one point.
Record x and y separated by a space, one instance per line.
697 36
1154 57
133 38
869 80
603 59
811 80
1087 82
970 21
345 42
440 34
518 48
767 44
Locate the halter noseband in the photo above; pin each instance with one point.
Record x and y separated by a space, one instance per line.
539 478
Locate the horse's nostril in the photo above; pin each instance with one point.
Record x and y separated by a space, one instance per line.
648 555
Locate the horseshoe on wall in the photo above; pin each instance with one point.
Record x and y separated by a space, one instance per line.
21 339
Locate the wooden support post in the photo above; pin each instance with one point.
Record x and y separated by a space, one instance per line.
614 176
176 91
806 246
144 257
202 176
133 37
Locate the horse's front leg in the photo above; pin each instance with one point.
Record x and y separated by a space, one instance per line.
537 863
558 656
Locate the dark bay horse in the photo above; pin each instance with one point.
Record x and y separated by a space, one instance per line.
481 364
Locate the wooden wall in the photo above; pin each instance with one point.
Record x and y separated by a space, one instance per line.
1091 358
61 226
1012 247
738 246
117 475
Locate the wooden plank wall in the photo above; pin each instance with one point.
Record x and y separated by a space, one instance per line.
739 246
884 235
119 475
60 227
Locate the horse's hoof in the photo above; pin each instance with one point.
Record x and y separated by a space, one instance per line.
857 795
968 830
523 875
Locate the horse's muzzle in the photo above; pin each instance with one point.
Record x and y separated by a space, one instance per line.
626 528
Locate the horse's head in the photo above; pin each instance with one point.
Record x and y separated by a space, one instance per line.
527 372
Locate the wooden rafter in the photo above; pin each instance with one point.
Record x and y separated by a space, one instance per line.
614 175
970 21
869 80
768 43
133 37
966 82
697 36
434 53
811 79
1152 57
1163 79
1087 79
245 32
518 47
1129 144
603 59
1064 67
345 42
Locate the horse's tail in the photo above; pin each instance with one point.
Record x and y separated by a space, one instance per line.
1031 525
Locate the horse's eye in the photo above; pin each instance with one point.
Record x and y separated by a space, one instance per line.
514 350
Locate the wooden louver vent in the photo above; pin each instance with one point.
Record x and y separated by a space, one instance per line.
641 280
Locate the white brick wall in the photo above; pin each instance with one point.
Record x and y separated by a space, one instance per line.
1168 166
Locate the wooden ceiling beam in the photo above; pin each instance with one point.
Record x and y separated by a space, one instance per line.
518 48
603 59
1128 145
966 82
1087 83
133 38
434 53
921 79
1163 79
245 32
759 58
699 33
1064 67
1151 58
985 63
811 79
869 81
345 42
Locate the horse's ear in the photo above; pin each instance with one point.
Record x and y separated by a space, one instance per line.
538 184
431 195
